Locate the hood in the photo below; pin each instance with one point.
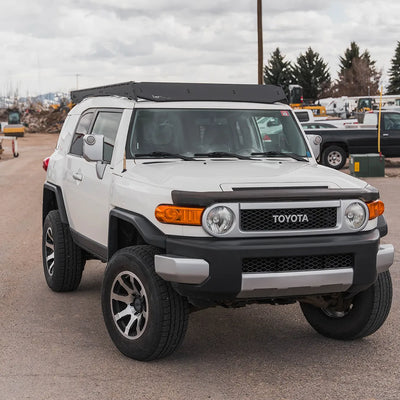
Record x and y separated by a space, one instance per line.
218 174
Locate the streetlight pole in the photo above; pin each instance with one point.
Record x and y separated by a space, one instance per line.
260 42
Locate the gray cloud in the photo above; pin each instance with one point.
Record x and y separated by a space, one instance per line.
48 43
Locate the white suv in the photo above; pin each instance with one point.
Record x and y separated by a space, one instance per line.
194 198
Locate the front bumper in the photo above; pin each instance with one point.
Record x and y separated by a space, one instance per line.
212 268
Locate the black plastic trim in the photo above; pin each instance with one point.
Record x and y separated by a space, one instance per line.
59 199
92 247
204 199
150 233
225 258
165 91
382 226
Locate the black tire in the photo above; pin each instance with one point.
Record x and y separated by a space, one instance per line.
63 260
367 313
154 317
334 157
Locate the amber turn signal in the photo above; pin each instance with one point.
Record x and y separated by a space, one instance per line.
376 208
169 214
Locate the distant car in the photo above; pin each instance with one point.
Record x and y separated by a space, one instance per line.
317 125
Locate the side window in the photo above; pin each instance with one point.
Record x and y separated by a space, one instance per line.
81 130
392 121
106 124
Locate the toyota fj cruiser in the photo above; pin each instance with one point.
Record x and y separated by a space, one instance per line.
198 195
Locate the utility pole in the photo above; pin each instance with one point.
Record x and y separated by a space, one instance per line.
260 42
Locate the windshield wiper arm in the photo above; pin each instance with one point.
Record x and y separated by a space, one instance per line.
164 154
280 154
222 154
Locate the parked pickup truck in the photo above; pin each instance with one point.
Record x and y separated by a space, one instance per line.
337 144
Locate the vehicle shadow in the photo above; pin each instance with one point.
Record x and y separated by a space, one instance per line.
266 334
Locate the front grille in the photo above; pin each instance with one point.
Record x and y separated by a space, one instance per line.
298 263
288 219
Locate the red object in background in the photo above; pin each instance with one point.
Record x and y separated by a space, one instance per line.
46 163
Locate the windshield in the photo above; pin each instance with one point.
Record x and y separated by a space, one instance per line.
202 132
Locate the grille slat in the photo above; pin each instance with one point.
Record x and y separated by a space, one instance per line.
297 263
287 219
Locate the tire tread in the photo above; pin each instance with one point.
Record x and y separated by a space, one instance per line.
373 306
175 308
69 260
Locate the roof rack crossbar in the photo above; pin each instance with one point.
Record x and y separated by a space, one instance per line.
164 91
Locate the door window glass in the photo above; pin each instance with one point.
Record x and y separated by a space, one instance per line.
81 130
392 121
106 124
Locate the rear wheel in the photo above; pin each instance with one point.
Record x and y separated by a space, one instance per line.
334 157
144 316
63 261
365 314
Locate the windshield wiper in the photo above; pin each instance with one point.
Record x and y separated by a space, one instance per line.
164 154
222 154
280 154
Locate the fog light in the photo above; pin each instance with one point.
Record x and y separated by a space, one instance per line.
219 220
355 215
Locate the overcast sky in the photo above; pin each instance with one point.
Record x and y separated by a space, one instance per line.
49 45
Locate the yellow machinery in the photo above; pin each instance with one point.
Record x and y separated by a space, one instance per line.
63 106
365 104
296 101
14 126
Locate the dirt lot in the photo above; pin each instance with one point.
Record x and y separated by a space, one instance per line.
55 346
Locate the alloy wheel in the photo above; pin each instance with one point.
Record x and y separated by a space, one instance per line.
129 305
49 251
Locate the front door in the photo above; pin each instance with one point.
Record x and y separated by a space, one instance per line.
87 197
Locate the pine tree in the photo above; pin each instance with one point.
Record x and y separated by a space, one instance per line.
350 54
394 73
358 75
278 71
312 73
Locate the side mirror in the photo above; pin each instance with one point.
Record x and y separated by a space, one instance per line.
93 146
315 143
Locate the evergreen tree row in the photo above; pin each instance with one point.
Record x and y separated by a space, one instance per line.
357 75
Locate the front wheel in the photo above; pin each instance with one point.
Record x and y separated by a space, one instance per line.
334 157
365 314
144 316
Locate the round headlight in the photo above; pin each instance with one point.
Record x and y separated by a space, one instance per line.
219 220
355 215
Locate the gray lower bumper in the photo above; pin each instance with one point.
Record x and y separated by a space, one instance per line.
181 270
296 283
196 271
384 258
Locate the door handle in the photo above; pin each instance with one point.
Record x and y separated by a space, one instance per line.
77 176
385 134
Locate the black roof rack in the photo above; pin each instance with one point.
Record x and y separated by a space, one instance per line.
163 91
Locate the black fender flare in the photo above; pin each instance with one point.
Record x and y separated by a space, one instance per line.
150 233
382 226
50 190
